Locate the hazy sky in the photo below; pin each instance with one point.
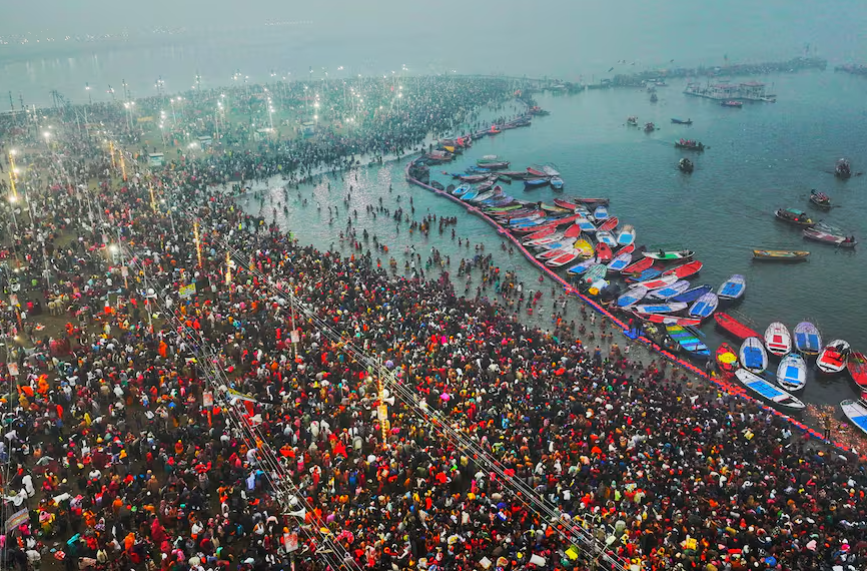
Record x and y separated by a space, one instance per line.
570 39
625 27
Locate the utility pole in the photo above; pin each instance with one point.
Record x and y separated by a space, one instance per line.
11 103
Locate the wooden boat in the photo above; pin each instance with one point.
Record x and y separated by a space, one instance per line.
592 201
818 235
820 199
462 189
842 169
619 262
656 332
651 308
753 356
437 185
693 294
534 183
537 173
733 288
784 256
732 326
768 391
586 225
663 255
495 165
557 183
584 247
777 339
808 339
688 341
594 274
794 216
582 268
704 306
792 372
833 357
726 358
686 270
646 275
626 235
685 165
638 266
632 121
550 239
550 171
600 213
689 145
664 319
565 203
607 238
681 121
857 365
732 103
630 249
553 253
563 259
470 194
609 225
603 253
669 291
631 297
554 209
856 412
660 282
650 127
572 231
548 249
543 233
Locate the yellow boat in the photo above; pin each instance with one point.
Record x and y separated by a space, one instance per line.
584 247
781 255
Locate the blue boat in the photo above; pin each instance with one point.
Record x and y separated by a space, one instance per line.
586 226
647 274
670 291
524 220
704 306
620 262
654 308
733 288
688 340
693 294
579 269
808 340
631 297
754 358
768 391
462 190
470 194
536 183
557 183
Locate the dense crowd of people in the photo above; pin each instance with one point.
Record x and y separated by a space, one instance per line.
218 405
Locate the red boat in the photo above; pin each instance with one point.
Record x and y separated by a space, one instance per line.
684 271
734 327
537 172
727 358
858 369
603 253
565 204
638 267
627 249
543 233
609 224
671 319
572 231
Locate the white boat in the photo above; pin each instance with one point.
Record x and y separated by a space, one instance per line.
632 296
733 288
626 236
777 339
856 411
556 237
600 214
768 391
662 307
832 359
550 171
670 291
792 372
753 355
605 237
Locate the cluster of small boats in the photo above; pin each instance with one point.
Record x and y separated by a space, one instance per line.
750 362
810 229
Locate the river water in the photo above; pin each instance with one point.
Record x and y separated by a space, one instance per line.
761 157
